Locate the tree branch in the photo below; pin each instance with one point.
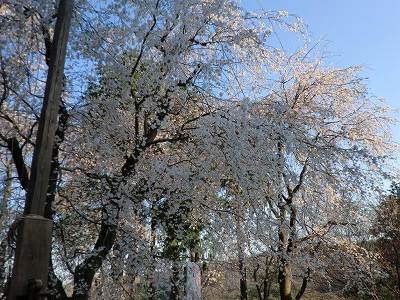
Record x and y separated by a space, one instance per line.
18 159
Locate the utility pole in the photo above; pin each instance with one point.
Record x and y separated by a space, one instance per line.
32 255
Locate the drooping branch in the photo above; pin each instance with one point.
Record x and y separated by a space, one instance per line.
18 159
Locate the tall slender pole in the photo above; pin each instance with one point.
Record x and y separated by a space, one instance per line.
30 272
41 161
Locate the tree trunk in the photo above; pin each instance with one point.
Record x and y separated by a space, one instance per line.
267 288
285 272
259 293
85 271
55 287
267 279
243 279
258 287
396 263
264 289
285 280
241 262
151 292
174 295
304 284
7 186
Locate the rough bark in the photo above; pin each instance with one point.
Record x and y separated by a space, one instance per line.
6 191
287 235
55 288
240 254
243 279
304 284
286 248
151 292
285 282
174 295
266 289
7 185
85 271
263 288
284 272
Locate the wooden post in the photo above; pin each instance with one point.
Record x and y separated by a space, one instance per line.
31 264
41 161
30 271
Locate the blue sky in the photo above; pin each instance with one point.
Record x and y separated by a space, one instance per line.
356 32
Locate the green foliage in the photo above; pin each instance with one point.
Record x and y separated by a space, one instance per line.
386 230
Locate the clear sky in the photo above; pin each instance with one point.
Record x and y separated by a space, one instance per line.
356 32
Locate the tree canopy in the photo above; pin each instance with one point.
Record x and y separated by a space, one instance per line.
184 135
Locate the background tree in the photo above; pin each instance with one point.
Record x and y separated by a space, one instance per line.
386 231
